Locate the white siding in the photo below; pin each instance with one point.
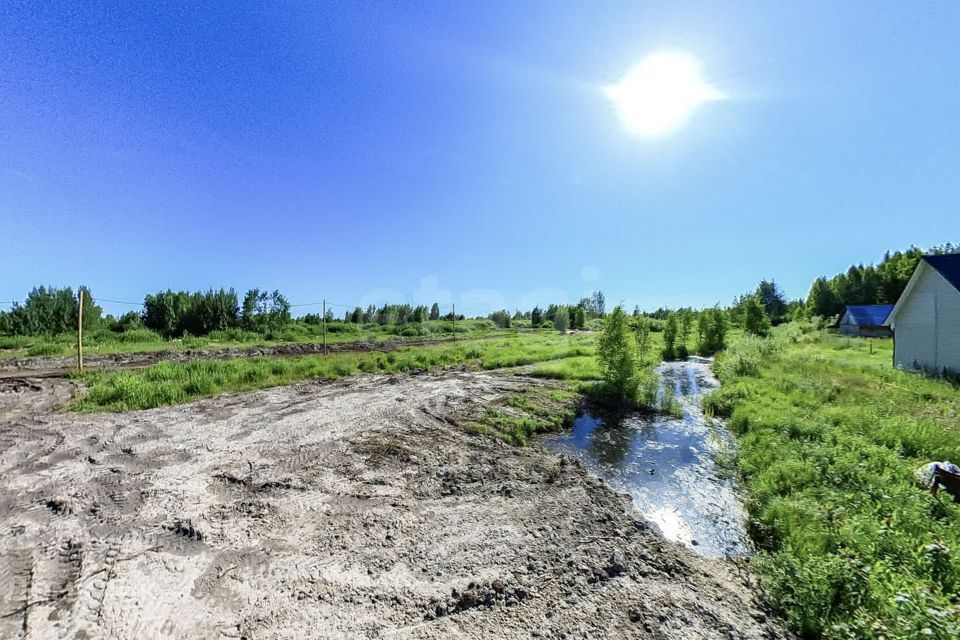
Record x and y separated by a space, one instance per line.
927 326
948 326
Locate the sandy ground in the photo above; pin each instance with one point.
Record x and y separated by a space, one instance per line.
359 508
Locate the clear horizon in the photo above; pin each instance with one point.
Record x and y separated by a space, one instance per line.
470 153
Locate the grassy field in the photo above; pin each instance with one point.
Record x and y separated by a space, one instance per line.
563 357
104 342
829 438
171 383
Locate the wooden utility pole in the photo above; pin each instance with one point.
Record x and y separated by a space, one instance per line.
454 322
324 326
80 334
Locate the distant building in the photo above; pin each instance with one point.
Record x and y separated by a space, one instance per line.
926 318
866 320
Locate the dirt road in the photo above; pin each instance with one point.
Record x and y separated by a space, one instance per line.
359 508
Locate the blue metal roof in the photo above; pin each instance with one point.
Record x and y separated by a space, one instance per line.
947 265
869 315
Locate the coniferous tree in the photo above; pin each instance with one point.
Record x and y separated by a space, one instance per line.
536 317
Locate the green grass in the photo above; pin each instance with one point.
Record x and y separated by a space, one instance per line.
575 368
106 342
171 382
829 438
520 416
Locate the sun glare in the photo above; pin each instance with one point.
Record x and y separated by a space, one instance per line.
658 95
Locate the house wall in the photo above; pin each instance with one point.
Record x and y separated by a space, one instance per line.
847 326
948 326
875 332
927 326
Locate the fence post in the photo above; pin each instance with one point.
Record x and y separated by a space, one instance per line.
80 334
324 326
454 322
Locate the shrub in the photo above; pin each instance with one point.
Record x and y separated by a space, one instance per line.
561 319
670 329
617 353
755 319
43 349
501 318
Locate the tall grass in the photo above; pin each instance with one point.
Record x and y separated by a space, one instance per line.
171 382
829 438
103 341
574 368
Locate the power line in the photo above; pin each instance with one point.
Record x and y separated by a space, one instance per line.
136 304
299 304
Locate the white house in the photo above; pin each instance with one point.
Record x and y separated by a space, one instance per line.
926 318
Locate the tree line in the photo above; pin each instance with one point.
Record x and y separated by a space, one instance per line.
49 310
881 283
54 310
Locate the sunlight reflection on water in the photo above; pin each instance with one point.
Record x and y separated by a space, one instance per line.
668 465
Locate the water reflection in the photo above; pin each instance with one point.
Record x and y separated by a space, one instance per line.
668 464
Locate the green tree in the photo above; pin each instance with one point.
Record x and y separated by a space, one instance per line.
581 318
713 331
670 329
594 304
561 319
755 319
536 317
686 324
501 318
49 310
773 300
617 353
643 337
435 311
822 300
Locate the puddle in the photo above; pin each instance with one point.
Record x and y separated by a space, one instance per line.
668 465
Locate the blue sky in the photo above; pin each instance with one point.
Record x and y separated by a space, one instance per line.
466 151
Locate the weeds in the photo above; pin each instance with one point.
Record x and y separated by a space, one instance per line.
829 437
173 382
520 416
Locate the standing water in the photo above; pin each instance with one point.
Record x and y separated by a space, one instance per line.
668 464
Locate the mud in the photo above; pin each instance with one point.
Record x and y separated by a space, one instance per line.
360 508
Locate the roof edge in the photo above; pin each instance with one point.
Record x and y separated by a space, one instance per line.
911 283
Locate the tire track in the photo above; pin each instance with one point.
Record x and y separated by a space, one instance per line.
16 584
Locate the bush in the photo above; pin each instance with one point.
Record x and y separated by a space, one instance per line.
617 354
44 349
177 313
755 319
501 318
137 335
828 440
561 319
670 330
49 311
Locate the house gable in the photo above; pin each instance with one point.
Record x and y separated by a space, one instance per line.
948 266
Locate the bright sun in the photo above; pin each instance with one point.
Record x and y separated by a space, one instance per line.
659 94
